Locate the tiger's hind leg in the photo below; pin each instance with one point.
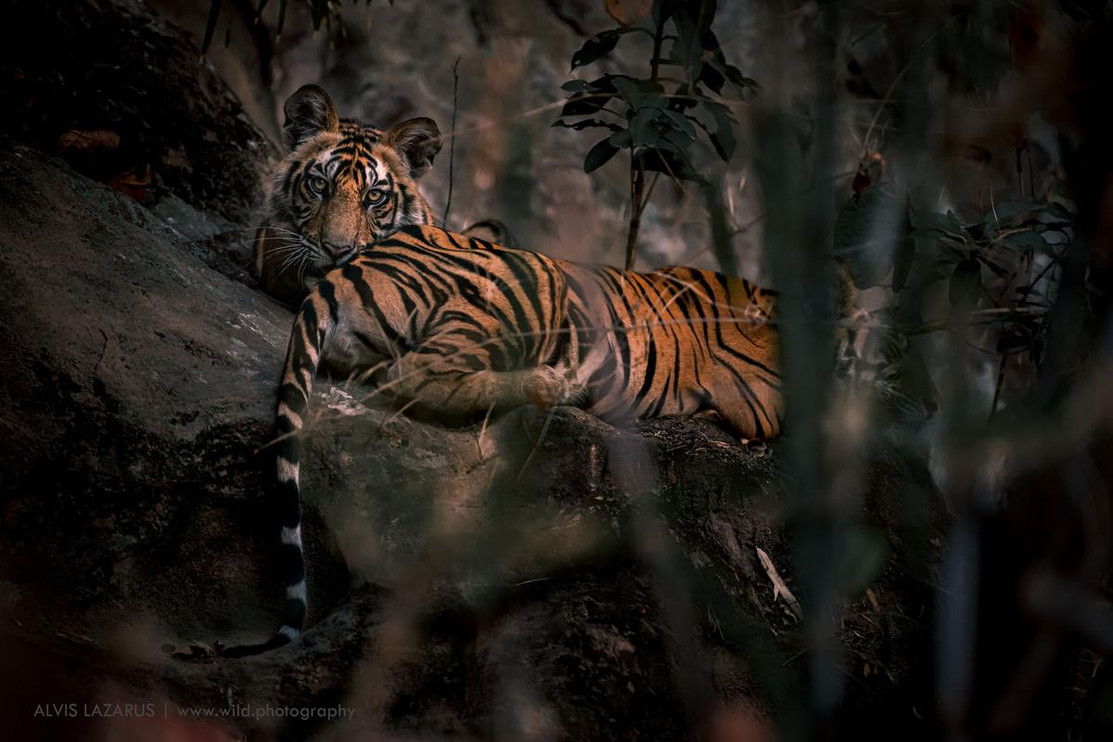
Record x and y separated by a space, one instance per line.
753 410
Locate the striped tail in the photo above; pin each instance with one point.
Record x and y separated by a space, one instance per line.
302 358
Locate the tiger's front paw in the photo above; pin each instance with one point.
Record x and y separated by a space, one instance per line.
548 386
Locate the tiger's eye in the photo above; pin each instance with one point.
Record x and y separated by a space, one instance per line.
318 185
375 197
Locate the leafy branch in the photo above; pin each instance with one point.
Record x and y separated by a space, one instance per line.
656 119
321 11
878 235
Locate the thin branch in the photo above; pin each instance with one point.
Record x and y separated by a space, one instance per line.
452 142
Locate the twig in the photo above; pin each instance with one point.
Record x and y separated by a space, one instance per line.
637 188
638 197
452 142
997 386
537 445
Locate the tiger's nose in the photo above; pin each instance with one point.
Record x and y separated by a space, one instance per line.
338 251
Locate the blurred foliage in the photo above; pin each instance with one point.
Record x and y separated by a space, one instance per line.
1002 261
321 11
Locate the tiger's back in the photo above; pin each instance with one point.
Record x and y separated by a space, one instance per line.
675 341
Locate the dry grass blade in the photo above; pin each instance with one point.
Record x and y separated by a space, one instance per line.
780 589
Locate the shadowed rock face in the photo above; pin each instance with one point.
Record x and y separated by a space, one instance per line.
126 98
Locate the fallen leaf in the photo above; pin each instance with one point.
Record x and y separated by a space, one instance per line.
132 182
873 599
88 141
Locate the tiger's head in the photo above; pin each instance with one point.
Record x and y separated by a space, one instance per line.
342 185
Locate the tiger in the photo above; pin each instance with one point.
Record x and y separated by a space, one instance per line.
460 327
342 184
455 326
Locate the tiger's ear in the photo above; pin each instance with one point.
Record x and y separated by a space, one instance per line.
418 141
309 112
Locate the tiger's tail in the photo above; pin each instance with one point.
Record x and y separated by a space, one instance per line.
302 359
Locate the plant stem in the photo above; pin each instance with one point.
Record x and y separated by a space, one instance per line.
655 60
637 188
452 142
638 197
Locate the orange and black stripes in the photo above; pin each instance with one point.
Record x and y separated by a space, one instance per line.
677 341
458 327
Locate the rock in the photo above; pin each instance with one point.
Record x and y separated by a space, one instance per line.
127 99
140 380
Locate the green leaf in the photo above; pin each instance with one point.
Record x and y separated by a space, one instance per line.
586 124
1004 212
687 97
595 47
740 81
686 50
712 78
639 127
594 97
716 68
723 139
966 284
1062 210
674 164
601 44
673 140
681 123
628 90
580 105
1024 242
621 138
599 155
576 86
